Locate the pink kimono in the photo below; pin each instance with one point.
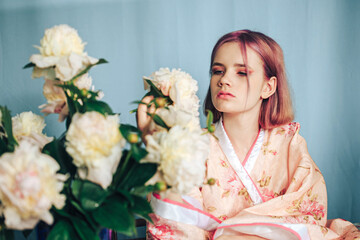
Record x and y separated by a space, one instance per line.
277 192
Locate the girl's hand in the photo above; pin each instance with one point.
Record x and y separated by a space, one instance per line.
142 119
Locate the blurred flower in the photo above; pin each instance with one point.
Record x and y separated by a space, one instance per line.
173 116
175 151
29 186
61 55
179 86
95 144
29 126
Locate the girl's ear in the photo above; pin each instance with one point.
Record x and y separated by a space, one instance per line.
269 88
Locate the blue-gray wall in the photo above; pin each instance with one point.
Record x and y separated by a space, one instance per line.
320 39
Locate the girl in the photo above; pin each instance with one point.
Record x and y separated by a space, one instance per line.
267 186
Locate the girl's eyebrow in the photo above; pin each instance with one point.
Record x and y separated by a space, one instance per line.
235 65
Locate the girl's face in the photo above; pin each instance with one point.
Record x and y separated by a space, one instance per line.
230 91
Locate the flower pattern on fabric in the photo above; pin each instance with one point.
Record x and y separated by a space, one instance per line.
266 193
289 129
266 150
223 217
243 192
308 207
161 232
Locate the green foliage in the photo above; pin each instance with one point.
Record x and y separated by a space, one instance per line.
63 230
158 120
56 149
29 65
114 214
142 207
138 152
8 142
90 195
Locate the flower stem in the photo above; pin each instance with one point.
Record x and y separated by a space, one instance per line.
123 168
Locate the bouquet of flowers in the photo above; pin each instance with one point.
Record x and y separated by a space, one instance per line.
176 142
97 173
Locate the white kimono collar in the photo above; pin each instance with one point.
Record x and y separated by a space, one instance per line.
241 171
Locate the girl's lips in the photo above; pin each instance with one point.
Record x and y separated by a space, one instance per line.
224 95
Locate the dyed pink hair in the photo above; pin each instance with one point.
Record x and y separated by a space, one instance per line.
277 109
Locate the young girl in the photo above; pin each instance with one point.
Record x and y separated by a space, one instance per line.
267 186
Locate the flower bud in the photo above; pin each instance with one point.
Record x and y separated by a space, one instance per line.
160 102
84 92
211 129
211 181
133 138
160 186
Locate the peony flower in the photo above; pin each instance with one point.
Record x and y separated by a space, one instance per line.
61 55
173 116
56 99
29 186
95 144
65 67
29 126
175 151
179 86
61 40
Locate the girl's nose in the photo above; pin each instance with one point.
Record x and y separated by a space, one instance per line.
224 80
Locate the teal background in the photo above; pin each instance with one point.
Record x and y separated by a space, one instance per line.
320 39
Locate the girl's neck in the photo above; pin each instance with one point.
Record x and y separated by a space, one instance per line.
242 131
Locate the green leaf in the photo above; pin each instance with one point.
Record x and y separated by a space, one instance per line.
209 118
56 149
157 119
142 191
3 147
90 195
138 152
126 129
153 89
101 61
6 234
7 125
142 207
127 196
138 175
114 214
122 168
83 230
98 106
29 65
62 230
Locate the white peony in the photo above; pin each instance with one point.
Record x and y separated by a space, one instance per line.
29 186
179 86
29 126
95 144
61 40
181 155
55 96
64 67
173 116
61 55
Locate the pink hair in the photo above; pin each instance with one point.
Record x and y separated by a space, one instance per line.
277 109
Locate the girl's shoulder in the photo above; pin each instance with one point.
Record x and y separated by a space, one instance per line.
287 130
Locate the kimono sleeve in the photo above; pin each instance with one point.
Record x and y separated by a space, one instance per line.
177 220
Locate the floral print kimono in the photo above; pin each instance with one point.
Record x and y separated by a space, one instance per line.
277 192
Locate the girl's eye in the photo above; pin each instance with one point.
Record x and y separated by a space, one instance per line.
242 73
217 72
